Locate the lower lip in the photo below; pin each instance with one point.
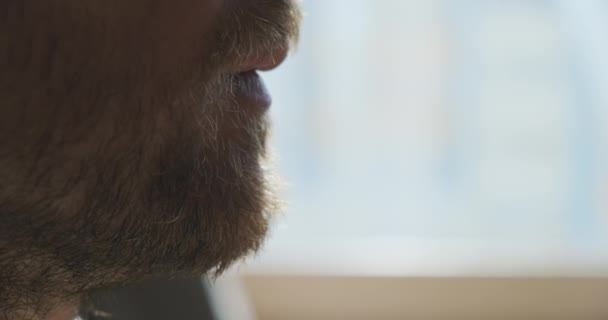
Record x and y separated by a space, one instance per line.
250 92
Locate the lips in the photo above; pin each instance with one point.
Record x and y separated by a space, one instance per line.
266 62
249 89
250 93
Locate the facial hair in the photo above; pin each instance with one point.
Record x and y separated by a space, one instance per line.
111 188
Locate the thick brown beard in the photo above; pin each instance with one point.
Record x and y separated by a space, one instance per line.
178 205
175 188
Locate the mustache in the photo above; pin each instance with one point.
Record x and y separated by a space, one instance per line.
254 29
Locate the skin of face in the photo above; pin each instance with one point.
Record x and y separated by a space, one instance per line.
130 146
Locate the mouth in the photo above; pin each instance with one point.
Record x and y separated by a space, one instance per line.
249 88
263 62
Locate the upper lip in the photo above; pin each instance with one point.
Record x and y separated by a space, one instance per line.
264 61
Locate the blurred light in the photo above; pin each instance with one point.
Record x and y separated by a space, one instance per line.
444 137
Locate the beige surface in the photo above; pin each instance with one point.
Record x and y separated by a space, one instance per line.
329 298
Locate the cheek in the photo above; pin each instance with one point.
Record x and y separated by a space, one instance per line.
154 40
181 27
110 43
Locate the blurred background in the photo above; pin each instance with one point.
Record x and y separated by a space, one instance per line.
444 159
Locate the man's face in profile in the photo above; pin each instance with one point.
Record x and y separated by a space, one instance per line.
132 140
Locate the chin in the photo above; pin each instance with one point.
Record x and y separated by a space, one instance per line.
203 199
173 199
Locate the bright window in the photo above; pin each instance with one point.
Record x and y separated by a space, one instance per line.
443 137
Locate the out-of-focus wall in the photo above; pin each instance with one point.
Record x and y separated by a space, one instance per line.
438 132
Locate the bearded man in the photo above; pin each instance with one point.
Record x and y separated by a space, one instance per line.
132 142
